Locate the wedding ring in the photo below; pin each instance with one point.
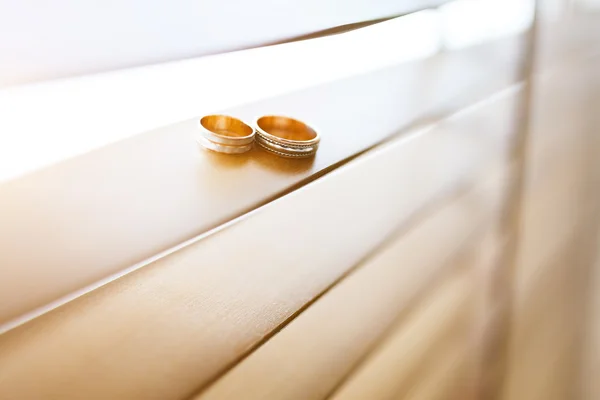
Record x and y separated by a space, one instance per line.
286 137
225 134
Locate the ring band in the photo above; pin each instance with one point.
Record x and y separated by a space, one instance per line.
283 150
225 134
223 148
286 137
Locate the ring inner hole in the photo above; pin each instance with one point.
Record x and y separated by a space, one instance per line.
226 126
286 128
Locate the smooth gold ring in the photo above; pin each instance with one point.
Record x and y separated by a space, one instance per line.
225 134
286 137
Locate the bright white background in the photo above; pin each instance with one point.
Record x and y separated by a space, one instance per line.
41 39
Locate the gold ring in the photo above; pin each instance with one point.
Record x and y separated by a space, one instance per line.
286 137
225 134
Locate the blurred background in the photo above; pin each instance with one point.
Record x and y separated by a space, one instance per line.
442 244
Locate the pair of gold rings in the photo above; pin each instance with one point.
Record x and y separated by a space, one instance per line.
283 136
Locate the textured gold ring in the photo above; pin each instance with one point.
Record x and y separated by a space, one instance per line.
225 134
286 137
